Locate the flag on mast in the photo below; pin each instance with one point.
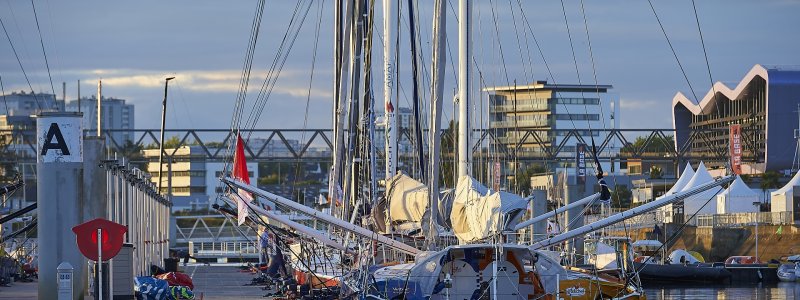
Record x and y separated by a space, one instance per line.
241 174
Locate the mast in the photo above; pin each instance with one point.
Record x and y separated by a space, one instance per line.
464 72
356 42
390 8
341 54
437 92
415 80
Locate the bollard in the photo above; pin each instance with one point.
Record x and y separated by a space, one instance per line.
65 281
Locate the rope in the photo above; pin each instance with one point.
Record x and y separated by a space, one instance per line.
14 49
44 53
673 50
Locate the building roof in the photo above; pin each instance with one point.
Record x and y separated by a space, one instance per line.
543 85
706 105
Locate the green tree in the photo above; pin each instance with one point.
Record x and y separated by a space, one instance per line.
447 155
621 197
132 153
522 178
657 144
769 180
656 172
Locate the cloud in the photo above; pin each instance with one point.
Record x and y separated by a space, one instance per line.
636 104
292 82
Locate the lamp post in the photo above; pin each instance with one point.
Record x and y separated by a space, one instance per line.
757 204
161 145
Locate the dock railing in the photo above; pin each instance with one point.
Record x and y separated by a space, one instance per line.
743 219
134 202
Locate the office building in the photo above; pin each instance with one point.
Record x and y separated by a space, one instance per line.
765 103
117 114
552 111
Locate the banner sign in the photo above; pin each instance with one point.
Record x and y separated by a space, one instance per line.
736 148
580 163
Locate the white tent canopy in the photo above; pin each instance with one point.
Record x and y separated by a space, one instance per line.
737 198
782 198
697 203
688 172
687 175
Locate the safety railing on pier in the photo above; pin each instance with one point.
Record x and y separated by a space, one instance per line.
743 219
134 202
223 249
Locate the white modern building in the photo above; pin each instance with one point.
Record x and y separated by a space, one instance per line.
116 114
27 104
554 113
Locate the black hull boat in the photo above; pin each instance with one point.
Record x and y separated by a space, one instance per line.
694 273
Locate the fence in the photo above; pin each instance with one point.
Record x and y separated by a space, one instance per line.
134 202
223 249
740 219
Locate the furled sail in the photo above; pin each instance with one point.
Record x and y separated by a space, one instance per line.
477 214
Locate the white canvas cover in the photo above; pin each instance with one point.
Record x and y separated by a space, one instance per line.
737 198
694 204
477 215
782 198
408 199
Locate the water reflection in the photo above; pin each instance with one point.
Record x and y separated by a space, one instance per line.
783 290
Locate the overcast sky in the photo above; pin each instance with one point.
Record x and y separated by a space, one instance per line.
134 45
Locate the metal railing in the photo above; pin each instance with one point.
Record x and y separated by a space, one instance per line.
134 202
743 219
223 249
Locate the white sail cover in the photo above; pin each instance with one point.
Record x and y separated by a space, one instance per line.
782 198
694 204
408 199
737 198
477 215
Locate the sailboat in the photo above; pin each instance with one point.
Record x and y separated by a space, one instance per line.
381 260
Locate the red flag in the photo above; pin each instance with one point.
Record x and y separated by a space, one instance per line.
240 173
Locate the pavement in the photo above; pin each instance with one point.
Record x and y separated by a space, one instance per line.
214 282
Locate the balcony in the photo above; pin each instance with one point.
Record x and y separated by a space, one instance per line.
519 123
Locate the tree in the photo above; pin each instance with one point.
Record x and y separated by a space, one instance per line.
657 144
621 197
132 153
447 155
656 172
769 180
522 179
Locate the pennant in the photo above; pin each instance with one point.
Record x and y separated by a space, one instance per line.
241 174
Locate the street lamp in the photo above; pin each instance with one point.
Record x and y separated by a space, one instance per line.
757 204
161 145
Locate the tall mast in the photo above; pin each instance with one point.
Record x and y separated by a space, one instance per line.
390 9
415 94
342 54
357 43
437 92
464 72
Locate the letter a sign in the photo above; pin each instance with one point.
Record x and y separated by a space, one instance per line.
59 138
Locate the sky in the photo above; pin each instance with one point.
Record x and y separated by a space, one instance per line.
133 45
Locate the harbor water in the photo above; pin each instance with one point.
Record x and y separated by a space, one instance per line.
783 290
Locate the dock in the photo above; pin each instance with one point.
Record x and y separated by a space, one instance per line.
212 282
